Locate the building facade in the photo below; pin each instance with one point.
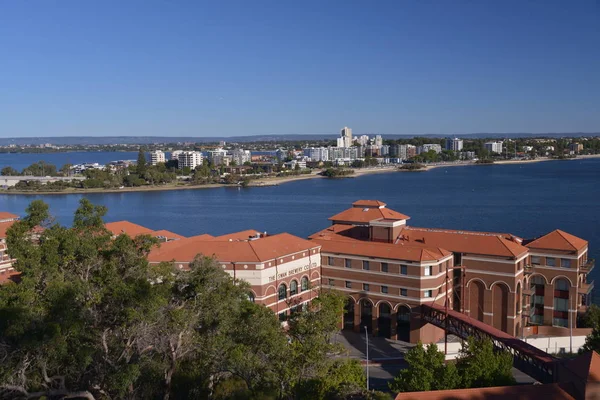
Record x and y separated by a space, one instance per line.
428 147
190 159
345 139
493 147
388 269
284 271
7 271
157 156
454 144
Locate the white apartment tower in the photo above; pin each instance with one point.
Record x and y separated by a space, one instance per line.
493 147
454 144
345 139
378 140
190 159
157 156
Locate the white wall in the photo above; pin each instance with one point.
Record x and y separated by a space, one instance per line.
548 344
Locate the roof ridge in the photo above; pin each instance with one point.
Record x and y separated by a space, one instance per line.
254 251
565 238
504 244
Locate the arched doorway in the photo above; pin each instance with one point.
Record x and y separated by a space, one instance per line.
349 314
500 306
384 322
476 293
403 319
366 315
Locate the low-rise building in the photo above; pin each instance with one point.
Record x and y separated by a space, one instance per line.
428 147
7 271
283 270
388 269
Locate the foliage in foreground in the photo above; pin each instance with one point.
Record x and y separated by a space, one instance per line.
92 317
478 365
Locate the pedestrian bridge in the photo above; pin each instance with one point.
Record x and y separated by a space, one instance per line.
527 358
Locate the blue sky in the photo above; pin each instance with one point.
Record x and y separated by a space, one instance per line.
224 68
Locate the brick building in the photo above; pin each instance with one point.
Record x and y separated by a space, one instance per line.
388 269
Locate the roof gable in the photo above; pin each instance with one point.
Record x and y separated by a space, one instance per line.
558 240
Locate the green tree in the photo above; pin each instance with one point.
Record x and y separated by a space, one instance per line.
481 365
426 371
9 171
141 162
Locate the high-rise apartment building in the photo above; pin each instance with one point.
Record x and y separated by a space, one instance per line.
493 147
345 139
454 144
190 159
175 155
378 140
157 156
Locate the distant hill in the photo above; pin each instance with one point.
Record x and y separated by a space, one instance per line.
107 140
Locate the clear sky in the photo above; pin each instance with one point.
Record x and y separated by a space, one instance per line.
223 68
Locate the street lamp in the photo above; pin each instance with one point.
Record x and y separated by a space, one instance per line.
367 337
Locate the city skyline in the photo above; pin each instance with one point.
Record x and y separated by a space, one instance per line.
192 69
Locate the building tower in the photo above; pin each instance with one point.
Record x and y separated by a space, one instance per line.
345 139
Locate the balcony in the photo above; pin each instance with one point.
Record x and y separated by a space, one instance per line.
588 266
585 288
528 269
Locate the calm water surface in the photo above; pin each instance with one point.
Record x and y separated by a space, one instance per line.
527 200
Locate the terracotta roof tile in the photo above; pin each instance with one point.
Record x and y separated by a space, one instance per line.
463 241
7 215
9 276
369 203
552 391
167 234
381 250
558 240
127 227
254 251
4 227
242 235
365 215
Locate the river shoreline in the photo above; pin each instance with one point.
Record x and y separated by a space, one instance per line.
276 181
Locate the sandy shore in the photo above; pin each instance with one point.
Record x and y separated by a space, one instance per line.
275 181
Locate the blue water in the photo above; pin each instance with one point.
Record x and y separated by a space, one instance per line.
527 200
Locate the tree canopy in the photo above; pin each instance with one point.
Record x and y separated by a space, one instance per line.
91 317
478 365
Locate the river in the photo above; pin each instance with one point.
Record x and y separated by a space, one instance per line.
527 200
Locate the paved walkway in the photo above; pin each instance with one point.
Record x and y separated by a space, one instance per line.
379 348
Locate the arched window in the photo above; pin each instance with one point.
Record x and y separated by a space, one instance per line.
282 291
561 284
304 283
293 288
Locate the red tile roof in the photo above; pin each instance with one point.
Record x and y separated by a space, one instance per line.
558 240
463 241
167 234
367 214
552 391
242 235
253 251
7 215
4 227
380 250
369 203
127 227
